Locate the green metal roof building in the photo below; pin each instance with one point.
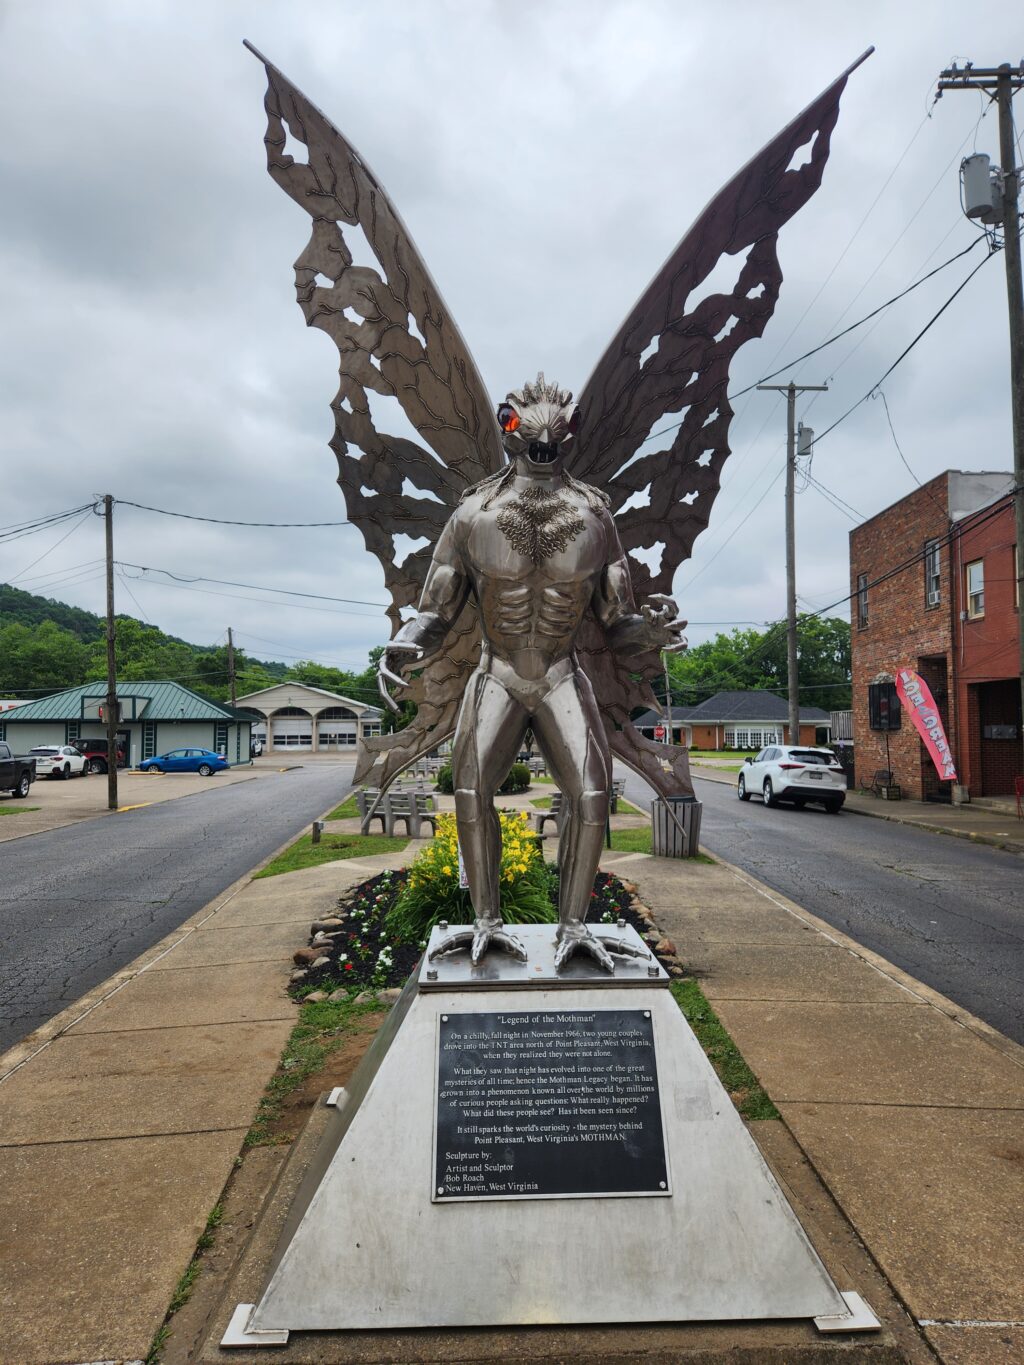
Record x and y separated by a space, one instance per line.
155 717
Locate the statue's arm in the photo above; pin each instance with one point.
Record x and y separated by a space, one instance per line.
444 595
628 631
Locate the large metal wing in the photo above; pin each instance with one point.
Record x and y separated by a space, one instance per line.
672 355
395 339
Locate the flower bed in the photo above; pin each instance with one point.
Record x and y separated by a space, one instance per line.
355 950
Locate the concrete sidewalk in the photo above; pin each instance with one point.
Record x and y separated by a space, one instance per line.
121 1122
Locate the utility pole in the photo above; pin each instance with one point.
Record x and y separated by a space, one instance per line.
110 711
231 666
792 668
668 702
1001 83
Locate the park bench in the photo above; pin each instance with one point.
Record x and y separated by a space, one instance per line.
540 817
414 809
365 798
618 791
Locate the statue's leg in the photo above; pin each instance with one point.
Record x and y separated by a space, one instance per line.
568 727
490 730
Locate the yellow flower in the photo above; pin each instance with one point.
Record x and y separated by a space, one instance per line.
446 870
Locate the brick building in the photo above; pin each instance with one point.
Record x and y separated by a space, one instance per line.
933 588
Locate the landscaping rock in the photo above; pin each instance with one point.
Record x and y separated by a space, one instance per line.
389 996
298 976
315 997
665 947
364 997
326 925
320 962
304 957
652 937
337 997
676 971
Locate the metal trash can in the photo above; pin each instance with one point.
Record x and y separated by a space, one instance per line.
675 826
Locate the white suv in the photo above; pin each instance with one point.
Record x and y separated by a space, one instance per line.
788 772
53 760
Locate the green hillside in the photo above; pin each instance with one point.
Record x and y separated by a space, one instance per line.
47 645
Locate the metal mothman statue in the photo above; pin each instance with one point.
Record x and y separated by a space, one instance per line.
528 586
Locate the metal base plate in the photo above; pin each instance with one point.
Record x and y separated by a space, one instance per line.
500 971
366 1248
238 1333
859 1318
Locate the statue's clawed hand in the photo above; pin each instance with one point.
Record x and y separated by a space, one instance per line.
662 627
390 669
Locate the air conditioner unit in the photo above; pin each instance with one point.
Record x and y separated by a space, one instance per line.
934 597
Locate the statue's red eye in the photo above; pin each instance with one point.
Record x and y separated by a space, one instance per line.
508 418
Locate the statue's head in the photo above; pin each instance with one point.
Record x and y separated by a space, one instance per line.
537 423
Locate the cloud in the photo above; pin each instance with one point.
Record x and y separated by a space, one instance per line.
546 158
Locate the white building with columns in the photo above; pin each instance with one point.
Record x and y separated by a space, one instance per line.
295 718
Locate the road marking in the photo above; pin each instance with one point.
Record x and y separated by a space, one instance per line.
138 807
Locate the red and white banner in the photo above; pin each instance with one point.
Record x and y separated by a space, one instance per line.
916 696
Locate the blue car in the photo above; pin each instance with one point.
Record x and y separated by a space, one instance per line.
200 761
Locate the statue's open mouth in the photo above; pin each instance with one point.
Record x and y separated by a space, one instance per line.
543 452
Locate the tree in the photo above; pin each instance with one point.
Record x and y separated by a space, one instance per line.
752 660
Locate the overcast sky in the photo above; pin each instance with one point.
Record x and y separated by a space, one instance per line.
546 156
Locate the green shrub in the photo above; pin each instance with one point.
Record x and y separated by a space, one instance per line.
432 890
518 780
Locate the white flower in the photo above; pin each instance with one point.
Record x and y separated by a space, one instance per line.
343 957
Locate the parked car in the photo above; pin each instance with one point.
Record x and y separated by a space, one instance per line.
63 760
94 751
202 761
255 748
788 772
16 774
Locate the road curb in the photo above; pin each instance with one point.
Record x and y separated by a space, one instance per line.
991 841
927 994
14 1058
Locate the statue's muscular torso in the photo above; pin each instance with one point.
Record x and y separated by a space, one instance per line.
533 577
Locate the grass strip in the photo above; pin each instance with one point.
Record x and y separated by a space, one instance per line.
183 1289
331 848
640 841
321 1029
17 810
743 1086
348 810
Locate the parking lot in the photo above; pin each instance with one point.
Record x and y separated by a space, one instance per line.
85 798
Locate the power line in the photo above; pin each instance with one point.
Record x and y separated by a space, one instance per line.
906 350
223 521
255 587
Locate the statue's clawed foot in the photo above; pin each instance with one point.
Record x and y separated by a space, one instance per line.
576 937
485 933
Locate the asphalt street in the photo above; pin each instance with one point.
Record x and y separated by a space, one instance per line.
79 903
949 912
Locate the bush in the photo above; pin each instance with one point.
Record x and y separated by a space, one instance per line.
432 890
518 780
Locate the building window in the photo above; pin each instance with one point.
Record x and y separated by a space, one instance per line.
975 589
883 706
932 578
862 600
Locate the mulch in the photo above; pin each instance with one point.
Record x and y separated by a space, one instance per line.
354 937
